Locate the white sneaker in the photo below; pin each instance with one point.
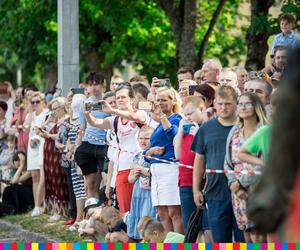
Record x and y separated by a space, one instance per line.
36 212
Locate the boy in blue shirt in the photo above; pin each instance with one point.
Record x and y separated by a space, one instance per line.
287 37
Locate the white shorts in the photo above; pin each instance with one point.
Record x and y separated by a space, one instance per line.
164 184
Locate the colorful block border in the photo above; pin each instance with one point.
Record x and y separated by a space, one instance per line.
146 246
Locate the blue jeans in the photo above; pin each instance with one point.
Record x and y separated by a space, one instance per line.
187 204
222 221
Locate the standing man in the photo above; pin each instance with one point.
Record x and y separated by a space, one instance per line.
91 153
210 148
211 70
184 73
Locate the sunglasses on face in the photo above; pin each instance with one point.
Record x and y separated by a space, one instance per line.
35 102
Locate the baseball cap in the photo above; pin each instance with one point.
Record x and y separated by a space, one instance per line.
90 202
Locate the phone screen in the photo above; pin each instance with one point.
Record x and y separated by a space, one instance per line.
77 90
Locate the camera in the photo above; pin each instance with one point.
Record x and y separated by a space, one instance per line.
187 128
91 106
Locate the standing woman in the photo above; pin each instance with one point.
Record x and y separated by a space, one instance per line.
164 183
126 124
35 151
56 188
251 115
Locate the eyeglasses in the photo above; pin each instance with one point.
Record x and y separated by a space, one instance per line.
255 91
35 102
246 105
59 107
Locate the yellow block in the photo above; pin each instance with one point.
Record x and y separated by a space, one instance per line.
90 246
62 246
201 246
34 246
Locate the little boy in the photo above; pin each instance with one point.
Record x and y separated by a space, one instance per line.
117 229
154 232
287 37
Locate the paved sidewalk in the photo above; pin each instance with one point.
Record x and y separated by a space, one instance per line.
12 232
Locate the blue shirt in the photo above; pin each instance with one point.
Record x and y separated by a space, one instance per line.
90 131
289 40
164 138
210 141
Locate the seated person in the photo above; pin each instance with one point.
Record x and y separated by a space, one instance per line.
143 222
154 232
91 226
7 154
117 229
287 37
17 197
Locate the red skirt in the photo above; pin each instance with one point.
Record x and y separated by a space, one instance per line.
123 190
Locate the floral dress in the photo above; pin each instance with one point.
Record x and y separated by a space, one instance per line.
239 205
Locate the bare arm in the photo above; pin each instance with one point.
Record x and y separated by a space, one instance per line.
97 122
177 143
165 122
244 156
132 177
137 117
198 173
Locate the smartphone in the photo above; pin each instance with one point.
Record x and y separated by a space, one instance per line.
77 90
146 106
89 106
192 89
165 82
42 130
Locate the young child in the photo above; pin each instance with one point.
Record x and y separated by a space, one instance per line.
143 222
287 37
154 232
91 226
194 112
141 204
117 229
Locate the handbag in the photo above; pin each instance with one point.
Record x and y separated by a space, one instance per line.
193 226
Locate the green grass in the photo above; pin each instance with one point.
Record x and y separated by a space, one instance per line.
56 231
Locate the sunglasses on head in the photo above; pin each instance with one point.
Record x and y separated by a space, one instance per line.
35 102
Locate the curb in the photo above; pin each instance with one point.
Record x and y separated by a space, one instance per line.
23 234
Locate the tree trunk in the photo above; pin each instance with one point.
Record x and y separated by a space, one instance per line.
182 15
93 61
50 77
258 34
213 21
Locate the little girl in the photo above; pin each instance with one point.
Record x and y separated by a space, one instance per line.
141 204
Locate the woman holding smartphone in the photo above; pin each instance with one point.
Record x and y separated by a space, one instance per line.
35 151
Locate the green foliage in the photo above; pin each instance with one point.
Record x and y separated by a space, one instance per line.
225 42
136 32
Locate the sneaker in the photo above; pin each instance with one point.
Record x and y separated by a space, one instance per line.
70 221
36 212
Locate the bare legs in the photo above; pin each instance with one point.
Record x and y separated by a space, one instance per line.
170 217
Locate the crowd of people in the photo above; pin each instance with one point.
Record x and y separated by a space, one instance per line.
144 162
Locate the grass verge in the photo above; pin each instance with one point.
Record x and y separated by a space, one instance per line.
57 231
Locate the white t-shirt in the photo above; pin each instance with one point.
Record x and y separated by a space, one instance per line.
128 143
112 154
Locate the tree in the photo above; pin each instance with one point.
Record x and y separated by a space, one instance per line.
262 27
258 34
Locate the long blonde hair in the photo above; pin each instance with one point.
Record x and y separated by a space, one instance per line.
259 109
173 95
